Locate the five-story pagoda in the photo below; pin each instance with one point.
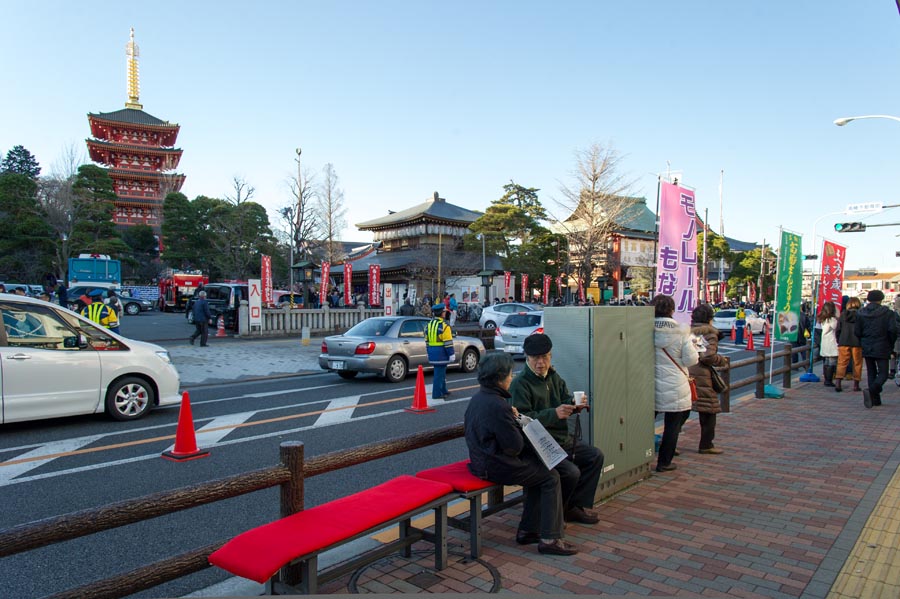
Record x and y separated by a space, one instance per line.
139 150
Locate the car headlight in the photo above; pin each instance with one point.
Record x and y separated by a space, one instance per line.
164 356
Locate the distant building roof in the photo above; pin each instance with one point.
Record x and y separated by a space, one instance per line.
436 208
637 217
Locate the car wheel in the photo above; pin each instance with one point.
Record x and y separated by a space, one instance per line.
469 362
189 315
347 374
396 370
129 398
490 325
132 309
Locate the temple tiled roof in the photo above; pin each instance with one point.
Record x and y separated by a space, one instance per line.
132 116
437 209
403 259
133 148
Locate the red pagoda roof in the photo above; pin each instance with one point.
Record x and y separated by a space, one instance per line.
132 117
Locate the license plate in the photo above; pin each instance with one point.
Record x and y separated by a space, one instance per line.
513 349
336 365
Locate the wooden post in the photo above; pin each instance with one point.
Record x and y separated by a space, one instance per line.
291 453
788 370
761 373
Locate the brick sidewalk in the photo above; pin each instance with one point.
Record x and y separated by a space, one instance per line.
777 515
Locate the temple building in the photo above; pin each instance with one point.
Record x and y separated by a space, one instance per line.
139 151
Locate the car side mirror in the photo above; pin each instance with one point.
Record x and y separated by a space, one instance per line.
70 342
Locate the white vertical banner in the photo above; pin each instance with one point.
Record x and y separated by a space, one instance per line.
255 301
388 299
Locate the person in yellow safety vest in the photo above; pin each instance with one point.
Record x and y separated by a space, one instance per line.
100 313
439 344
740 321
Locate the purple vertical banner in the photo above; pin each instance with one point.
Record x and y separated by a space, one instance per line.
677 262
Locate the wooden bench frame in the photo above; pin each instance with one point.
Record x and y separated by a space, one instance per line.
311 577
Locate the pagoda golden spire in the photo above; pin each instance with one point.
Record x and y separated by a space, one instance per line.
134 84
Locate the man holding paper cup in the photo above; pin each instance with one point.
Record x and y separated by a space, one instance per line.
540 393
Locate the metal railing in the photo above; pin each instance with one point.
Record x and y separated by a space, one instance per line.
290 475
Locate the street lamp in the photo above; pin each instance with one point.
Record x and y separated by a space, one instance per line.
487 279
306 273
844 120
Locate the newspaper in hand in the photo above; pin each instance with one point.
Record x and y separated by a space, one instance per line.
550 452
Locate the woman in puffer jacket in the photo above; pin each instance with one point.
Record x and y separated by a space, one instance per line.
707 404
829 346
675 353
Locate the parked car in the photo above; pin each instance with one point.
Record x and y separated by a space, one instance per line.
510 336
724 319
223 298
57 363
493 316
130 305
391 346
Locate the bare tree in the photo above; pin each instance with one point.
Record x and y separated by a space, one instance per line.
57 198
239 225
596 201
300 215
330 211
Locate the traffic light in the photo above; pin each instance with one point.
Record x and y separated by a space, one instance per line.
849 227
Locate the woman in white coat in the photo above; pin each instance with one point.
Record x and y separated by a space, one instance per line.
675 353
828 349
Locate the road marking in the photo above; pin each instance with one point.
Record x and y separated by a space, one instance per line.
39 456
339 410
218 428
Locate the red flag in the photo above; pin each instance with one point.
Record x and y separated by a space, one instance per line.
506 280
374 283
524 287
831 276
580 291
266 270
348 275
546 290
323 287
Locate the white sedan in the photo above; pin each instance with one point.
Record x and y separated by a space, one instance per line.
56 363
724 319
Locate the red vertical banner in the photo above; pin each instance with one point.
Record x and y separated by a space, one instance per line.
506 279
348 275
580 291
266 270
832 275
559 290
524 287
374 283
323 287
545 292
751 292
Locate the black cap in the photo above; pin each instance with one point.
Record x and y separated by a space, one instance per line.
537 344
875 296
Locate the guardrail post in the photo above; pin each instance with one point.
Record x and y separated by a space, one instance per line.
726 394
787 366
761 373
291 453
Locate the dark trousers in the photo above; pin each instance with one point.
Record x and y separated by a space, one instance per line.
877 371
671 426
707 429
580 476
542 509
201 329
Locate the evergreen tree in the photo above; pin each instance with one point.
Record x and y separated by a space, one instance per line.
26 244
20 161
94 231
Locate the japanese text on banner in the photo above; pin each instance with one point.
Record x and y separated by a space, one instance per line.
676 267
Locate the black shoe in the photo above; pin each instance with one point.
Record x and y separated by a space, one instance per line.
667 468
579 514
527 538
867 399
677 452
556 547
191 339
204 345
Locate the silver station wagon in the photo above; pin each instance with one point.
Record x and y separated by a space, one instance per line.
391 346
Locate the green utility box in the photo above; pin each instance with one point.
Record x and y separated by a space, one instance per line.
608 352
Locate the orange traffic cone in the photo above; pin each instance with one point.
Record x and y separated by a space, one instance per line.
420 398
185 439
749 333
767 341
220 324
733 332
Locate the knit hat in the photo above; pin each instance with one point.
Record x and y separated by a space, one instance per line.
875 296
537 344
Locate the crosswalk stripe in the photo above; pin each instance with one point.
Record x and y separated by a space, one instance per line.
337 412
8 473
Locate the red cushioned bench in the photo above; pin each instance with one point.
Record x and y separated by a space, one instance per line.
472 488
259 553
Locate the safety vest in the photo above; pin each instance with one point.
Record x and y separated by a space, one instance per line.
95 312
434 331
741 315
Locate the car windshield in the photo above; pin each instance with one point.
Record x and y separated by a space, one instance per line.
725 314
523 320
373 327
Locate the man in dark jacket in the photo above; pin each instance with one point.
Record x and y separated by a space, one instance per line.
876 327
202 315
540 393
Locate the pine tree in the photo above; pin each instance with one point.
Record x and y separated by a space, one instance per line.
22 162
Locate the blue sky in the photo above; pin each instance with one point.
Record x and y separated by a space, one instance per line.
408 98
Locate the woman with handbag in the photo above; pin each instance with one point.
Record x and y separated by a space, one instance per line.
675 353
709 383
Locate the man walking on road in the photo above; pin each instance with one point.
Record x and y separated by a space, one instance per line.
202 316
876 327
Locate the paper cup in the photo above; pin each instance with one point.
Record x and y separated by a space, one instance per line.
579 399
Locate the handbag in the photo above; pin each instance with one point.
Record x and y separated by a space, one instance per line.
718 383
691 381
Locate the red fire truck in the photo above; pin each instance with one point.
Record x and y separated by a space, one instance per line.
176 288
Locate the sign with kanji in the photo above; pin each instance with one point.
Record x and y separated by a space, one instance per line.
677 262
348 275
254 301
374 284
323 285
790 281
266 273
524 287
506 280
831 278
